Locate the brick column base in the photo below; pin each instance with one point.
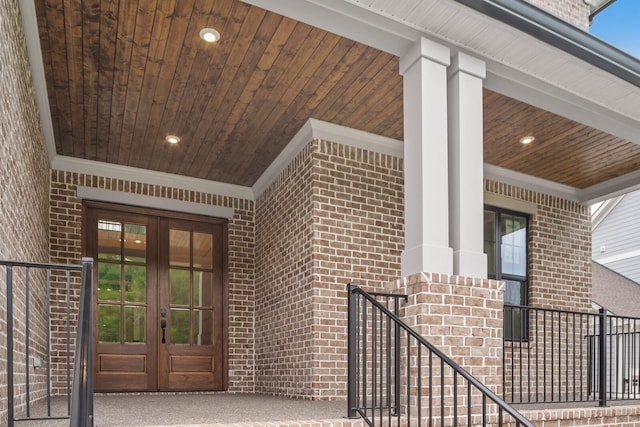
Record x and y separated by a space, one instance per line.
461 316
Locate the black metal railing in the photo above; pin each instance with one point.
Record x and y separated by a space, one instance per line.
396 376
31 353
567 356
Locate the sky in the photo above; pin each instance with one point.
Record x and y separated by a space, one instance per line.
619 25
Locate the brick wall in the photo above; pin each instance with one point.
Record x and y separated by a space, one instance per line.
575 12
333 216
23 201
66 232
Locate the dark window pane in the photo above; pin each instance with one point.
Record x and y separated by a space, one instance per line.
490 241
179 248
135 243
135 283
179 287
203 327
514 245
202 289
135 324
179 326
203 251
109 240
108 282
109 323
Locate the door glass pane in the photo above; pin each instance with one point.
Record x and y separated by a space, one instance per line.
135 324
108 282
179 248
109 323
179 326
135 242
202 251
514 245
490 241
202 289
109 240
135 283
179 286
203 327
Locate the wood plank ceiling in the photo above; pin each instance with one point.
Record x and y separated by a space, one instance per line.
121 75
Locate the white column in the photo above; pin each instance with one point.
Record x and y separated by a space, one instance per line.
466 165
424 68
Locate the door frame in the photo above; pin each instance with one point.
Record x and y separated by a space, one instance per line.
223 222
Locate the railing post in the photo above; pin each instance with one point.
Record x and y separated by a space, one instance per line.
10 414
82 397
352 342
602 350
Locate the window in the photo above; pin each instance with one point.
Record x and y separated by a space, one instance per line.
505 243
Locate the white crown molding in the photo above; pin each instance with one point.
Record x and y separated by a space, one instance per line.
107 170
319 130
90 193
528 182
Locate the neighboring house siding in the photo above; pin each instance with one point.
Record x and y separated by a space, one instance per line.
24 208
333 216
575 12
66 222
616 239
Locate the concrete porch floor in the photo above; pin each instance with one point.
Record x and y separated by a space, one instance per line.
203 410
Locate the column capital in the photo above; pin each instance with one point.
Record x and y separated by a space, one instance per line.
425 49
462 62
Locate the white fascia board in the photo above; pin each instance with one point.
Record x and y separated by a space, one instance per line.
347 20
34 52
107 170
532 90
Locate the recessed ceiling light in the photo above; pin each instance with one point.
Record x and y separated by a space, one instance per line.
172 139
527 139
209 35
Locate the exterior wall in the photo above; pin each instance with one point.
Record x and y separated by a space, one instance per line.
332 217
66 232
575 12
24 210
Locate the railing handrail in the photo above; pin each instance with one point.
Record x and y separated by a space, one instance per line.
45 265
82 391
352 287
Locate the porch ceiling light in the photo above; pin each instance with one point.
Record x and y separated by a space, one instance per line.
172 139
527 139
209 35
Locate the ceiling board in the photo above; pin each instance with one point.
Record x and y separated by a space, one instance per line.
121 75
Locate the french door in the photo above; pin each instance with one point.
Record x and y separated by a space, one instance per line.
158 299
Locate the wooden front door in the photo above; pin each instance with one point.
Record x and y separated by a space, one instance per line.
158 300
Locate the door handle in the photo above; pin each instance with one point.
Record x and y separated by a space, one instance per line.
163 325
